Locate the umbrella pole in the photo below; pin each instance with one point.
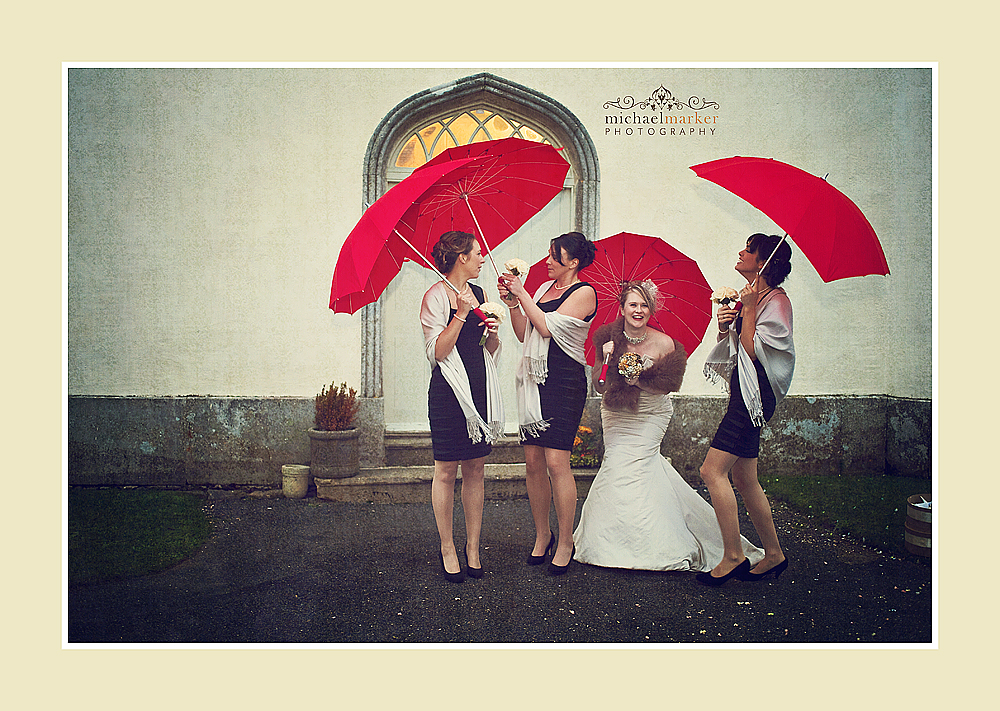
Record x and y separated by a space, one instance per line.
489 252
426 260
420 254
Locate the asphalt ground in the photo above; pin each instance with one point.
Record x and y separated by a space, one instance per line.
281 571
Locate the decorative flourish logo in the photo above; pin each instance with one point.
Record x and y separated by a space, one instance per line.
703 122
662 98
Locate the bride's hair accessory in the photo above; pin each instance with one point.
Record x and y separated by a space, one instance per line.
649 292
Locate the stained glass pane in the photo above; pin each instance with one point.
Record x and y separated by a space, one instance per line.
463 127
429 133
499 127
445 141
473 126
532 135
412 155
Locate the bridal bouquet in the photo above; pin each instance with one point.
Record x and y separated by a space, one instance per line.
630 365
490 310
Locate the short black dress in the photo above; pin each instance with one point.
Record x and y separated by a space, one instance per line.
449 432
737 434
564 393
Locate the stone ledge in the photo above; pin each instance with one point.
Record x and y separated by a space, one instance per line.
413 484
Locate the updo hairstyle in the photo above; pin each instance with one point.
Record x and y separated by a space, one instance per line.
577 247
448 247
781 264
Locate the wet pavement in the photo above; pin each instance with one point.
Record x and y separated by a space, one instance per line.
280 571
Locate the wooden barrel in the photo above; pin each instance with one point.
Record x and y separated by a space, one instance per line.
917 529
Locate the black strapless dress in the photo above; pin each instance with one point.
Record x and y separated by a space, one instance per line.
564 393
449 432
737 434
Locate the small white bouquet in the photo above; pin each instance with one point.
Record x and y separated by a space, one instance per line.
517 267
491 310
726 296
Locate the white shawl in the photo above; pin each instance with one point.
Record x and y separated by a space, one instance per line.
435 313
773 347
570 334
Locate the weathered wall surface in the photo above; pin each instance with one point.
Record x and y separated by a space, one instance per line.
196 441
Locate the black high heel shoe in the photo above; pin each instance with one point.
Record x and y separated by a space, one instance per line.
777 570
473 572
561 569
740 572
539 559
451 577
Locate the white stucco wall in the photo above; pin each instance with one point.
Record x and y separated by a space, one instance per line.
207 208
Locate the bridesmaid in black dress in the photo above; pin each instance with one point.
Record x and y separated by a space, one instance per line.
762 327
563 394
448 325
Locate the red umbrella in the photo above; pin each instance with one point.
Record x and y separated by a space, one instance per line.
374 251
828 227
504 184
494 186
687 297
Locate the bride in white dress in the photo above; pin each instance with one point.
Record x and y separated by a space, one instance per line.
640 513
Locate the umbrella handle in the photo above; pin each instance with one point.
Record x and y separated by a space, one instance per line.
604 370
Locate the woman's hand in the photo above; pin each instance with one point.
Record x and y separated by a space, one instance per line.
725 316
491 325
464 303
607 349
750 293
512 285
505 295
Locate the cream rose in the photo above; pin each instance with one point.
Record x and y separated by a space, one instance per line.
724 295
517 267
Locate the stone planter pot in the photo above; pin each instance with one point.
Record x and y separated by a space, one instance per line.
295 481
334 455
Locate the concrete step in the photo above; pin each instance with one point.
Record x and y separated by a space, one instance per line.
413 484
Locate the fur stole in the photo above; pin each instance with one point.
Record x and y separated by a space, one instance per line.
665 376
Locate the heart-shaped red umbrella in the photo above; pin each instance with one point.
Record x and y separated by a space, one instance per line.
489 189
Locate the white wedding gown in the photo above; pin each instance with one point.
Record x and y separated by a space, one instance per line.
640 513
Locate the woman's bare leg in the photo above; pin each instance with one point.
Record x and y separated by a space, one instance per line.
443 501
759 508
715 474
473 494
564 496
539 495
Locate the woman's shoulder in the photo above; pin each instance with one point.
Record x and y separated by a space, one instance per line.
435 293
586 290
780 294
778 299
664 344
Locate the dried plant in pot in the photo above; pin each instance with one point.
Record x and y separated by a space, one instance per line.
333 441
